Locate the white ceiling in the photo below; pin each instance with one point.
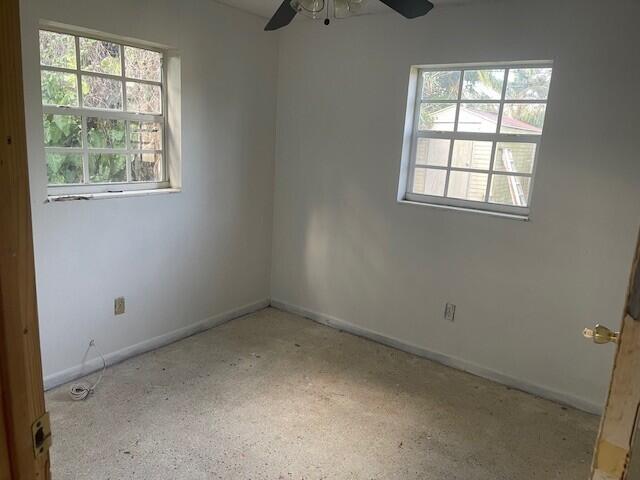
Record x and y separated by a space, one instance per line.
266 8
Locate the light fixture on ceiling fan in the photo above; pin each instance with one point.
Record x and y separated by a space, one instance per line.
341 9
345 8
315 8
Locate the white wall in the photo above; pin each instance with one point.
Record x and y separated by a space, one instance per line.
344 248
178 259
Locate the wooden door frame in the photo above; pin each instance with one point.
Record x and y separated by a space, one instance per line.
21 388
616 435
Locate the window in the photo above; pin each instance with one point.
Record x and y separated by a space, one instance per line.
475 135
103 114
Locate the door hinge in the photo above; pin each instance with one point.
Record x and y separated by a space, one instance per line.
41 435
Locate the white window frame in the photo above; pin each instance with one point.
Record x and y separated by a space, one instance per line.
413 133
54 190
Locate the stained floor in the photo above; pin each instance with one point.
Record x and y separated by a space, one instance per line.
275 396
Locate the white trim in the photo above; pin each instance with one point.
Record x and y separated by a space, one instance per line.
55 379
448 206
455 169
480 206
484 101
405 175
102 151
67 197
101 113
486 65
81 189
109 76
479 137
444 359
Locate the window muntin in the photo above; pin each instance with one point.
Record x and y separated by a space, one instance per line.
103 114
476 135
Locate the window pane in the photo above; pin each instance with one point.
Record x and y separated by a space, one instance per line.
100 56
437 116
146 167
142 64
64 168
58 88
57 50
478 117
528 83
107 168
105 133
510 190
440 85
467 185
103 93
482 84
144 98
429 181
432 151
145 136
523 118
471 154
515 157
62 130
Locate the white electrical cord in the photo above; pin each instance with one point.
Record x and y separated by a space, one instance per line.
81 390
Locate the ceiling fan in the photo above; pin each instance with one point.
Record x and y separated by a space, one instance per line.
341 9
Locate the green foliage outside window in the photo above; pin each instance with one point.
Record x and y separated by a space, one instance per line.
105 133
64 168
59 88
62 130
107 168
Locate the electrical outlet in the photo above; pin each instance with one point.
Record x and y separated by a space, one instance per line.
449 312
118 306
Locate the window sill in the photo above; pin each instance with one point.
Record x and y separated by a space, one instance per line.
105 195
510 216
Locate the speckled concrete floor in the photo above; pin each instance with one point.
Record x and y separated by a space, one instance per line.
274 396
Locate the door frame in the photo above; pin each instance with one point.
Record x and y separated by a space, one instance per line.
21 388
621 414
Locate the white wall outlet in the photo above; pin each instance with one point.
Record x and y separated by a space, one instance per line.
449 312
118 306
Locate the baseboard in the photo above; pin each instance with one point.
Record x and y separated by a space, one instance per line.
444 359
95 364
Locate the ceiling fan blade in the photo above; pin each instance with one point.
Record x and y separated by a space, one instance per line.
282 17
409 8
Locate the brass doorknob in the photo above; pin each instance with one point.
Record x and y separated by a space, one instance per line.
601 334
